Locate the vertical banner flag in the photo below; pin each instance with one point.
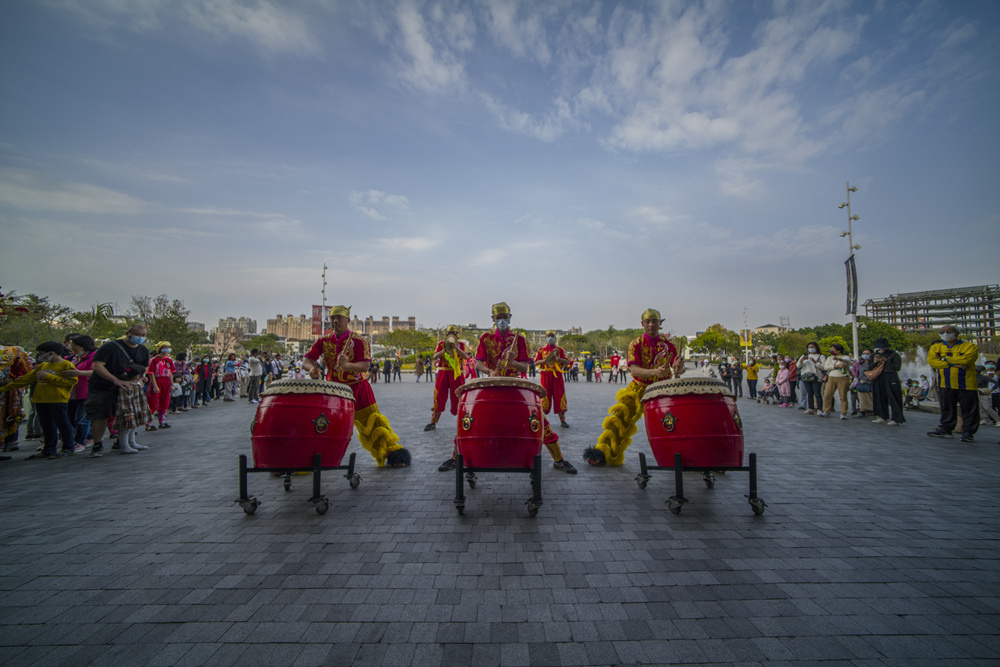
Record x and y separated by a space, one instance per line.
852 286
317 321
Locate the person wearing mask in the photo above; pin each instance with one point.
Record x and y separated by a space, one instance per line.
838 380
54 383
115 363
784 390
954 362
347 356
793 383
161 372
863 386
726 373
187 381
751 369
204 384
229 379
83 349
887 392
810 367
256 369
736 375
449 355
553 362
387 371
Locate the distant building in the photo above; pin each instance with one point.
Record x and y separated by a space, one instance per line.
974 310
370 326
289 326
244 324
771 329
196 326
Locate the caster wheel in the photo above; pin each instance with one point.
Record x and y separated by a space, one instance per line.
471 479
250 506
322 507
710 481
355 481
758 505
641 482
460 509
674 506
288 484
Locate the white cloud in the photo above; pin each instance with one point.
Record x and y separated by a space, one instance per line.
414 243
871 113
28 190
521 32
373 202
651 214
422 65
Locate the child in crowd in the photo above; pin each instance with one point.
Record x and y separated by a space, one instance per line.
913 395
176 395
768 392
51 399
784 385
132 413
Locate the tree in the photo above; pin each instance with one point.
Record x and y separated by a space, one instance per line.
792 344
31 319
165 320
267 342
717 339
765 341
870 330
99 322
408 339
574 343
825 343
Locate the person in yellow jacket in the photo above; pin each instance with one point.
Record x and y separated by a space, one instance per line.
51 398
954 363
751 368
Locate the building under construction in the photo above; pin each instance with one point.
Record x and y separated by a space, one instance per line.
974 310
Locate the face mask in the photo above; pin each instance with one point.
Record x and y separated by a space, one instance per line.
166 350
137 340
788 360
948 337
205 360
550 340
865 356
45 357
503 324
813 350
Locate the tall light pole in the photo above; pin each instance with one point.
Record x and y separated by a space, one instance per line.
324 317
851 246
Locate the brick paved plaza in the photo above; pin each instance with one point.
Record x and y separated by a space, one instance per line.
878 546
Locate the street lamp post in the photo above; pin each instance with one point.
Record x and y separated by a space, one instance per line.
851 246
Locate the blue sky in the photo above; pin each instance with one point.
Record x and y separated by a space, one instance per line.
580 160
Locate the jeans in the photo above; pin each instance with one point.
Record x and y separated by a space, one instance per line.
55 423
814 394
253 388
78 418
752 386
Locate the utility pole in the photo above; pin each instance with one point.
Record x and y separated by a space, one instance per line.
851 246
324 316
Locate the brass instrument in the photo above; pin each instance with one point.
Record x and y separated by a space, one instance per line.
507 355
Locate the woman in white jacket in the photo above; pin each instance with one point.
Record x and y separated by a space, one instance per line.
810 367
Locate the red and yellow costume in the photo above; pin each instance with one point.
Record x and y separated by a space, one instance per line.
449 378
374 431
551 376
620 424
493 348
161 371
13 364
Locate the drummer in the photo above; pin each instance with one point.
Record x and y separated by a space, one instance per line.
347 355
651 357
551 360
504 353
448 357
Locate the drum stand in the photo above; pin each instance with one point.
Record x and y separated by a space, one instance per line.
676 502
469 474
319 501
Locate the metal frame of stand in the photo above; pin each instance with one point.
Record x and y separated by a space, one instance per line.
677 501
468 474
318 500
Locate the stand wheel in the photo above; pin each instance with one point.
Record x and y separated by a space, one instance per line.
471 479
460 509
322 506
758 505
288 482
641 481
533 508
354 481
709 480
674 506
249 506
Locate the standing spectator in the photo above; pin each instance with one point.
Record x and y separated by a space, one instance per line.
838 379
598 370
83 349
387 370
784 390
574 371
131 413
954 361
256 369
13 364
793 382
810 367
588 367
54 381
183 368
279 367
623 370
418 367
751 368
887 393
373 372
736 373
397 370
725 372
229 379
204 384
863 385
115 362
531 368
161 372
216 385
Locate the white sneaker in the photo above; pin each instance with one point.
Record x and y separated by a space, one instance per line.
892 423
137 447
823 414
128 450
878 420
844 417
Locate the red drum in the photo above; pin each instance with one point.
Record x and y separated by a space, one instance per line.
299 418
697 418
499 422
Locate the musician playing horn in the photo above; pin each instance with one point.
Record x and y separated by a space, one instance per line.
551 361
448 357
347 355
504 353
651 358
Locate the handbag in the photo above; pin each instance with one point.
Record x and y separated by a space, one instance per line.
229 377
875 372
808 377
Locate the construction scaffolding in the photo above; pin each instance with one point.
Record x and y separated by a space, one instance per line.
974 310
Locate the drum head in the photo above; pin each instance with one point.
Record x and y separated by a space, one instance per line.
483 383
297 386
690 385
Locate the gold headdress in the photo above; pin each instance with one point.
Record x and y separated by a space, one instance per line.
651 314
340 310
501 309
